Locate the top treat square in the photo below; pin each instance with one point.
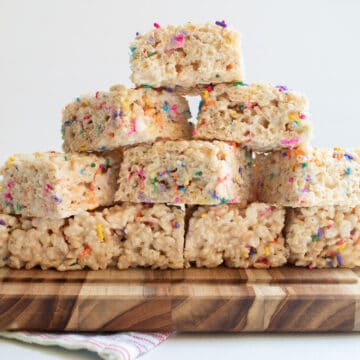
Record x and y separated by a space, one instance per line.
186 55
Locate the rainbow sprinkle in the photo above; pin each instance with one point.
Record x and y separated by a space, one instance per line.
179 39
339 259
282 88
291 142
57 199
320 233
100 232
221 23
86 251
314 238
267 251
239 83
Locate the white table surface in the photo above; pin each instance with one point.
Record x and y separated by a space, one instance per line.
216 346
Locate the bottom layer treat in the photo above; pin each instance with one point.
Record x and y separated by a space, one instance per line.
126 235
324 237
131 235
238 237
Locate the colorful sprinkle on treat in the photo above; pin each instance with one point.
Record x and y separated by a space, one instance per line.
86 251
348 156
320 233
156 25
10 162
239 83
57 199
290 142
2 222
339 259
221 23
252 252
314 238
267 251
301 116
179 39
100 232
282 88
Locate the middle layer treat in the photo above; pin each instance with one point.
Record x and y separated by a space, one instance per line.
186 172
109 120
55 185
320 177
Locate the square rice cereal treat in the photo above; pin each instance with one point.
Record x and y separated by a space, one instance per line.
237 237
324 237
149 235
109 120
79 242
56 185
7 224
185 172
262 117
319 177
123 236
186 55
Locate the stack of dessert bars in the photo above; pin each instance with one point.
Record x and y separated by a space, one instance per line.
142 185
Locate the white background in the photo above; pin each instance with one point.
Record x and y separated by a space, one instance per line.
52 51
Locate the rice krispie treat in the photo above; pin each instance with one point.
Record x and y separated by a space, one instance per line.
55 185
83 241
7 224
150 235
186 55
123 116
238 237
261 116
38 242
321 237
122 236
185 172
320 177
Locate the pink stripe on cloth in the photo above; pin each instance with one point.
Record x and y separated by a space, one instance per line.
120 346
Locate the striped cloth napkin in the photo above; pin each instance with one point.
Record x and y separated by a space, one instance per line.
121 346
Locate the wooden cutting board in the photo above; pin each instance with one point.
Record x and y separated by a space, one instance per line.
286 299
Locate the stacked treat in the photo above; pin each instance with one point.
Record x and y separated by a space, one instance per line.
139 185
